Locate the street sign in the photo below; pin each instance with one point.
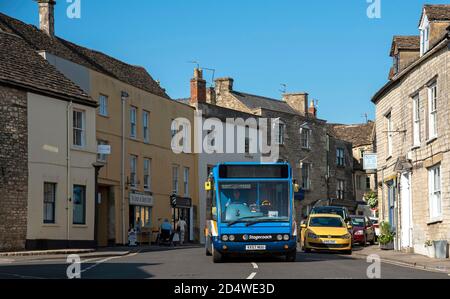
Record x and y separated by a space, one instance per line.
104 149
370 161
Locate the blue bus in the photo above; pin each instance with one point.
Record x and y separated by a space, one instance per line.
250 210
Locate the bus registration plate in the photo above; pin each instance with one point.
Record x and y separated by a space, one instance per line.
255 247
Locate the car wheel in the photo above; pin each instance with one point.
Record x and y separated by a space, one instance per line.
372 242
217 256
364 244
348 252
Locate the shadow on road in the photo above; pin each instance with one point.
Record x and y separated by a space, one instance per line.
59 271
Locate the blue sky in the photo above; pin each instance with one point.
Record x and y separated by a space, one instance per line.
330 49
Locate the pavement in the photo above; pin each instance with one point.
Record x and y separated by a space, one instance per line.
406 259
190 262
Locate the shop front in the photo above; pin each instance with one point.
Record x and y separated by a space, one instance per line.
140 211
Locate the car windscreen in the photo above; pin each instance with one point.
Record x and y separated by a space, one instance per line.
358 221
326 222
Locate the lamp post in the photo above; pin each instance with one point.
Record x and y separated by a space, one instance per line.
97 167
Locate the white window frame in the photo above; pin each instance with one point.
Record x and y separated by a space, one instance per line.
424 35
186 181
133 171
103 105
416 121
281 132
340 157
306 176
146 126
133 121
175 174
435 193
81 130
147 174
49 201
432 111
389 134
305 137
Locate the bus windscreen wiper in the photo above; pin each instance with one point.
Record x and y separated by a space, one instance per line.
264 220
242 219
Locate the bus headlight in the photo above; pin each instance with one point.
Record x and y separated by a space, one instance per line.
279 237
224 238
286 237
231 238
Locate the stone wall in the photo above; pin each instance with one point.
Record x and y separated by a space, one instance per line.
13 168
399 103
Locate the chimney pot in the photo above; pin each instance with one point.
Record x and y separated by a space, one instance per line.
312 110
47 16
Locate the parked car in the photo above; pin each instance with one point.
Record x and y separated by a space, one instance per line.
376 225
341 211
326 232
363 230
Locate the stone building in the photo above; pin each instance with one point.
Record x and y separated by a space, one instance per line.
134 119
303 141
361 136
412 135
214 154
47 148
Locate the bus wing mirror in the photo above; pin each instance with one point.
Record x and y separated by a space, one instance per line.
208 186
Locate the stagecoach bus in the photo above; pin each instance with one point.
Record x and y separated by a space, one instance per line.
250 210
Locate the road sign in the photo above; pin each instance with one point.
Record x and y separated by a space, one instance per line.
370 161
104 149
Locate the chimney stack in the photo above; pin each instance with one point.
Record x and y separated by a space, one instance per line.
312 110
297 101
224 85
211 96
47 16
198 87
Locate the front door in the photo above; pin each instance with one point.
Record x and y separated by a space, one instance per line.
406 215
103 216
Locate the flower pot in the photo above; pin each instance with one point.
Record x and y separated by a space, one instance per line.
431 251
388 246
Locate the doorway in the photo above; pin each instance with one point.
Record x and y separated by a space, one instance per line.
406 211
105 225
185 213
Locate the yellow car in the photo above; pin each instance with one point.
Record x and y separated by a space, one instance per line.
326 232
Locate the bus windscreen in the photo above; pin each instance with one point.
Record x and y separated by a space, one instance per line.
254 171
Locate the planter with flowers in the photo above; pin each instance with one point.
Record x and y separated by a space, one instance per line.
386 238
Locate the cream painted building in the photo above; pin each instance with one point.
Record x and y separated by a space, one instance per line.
48 145
412 134
134 120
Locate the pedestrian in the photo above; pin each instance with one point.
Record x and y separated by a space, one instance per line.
182 229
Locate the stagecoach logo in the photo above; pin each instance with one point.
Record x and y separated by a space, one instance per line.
257 238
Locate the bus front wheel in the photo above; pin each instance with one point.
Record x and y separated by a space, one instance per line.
291 256
217 256
208 246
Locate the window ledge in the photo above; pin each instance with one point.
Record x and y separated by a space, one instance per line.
435 221
414 147
431 140
389 158
104 116
50 225
80 226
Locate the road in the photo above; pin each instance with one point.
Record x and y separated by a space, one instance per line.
191 263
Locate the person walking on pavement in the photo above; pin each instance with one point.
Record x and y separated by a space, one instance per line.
182 229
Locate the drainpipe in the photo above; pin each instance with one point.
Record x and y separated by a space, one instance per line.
124 97
68 162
